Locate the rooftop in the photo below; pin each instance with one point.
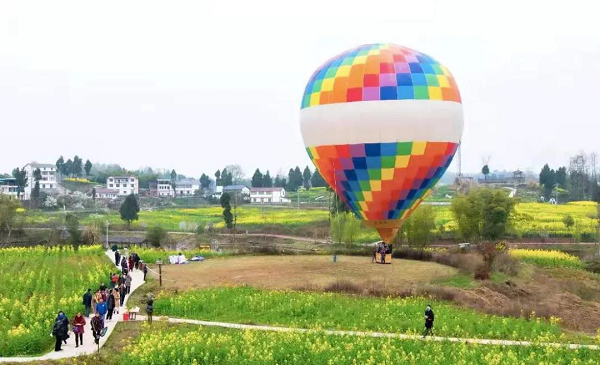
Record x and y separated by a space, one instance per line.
266 189
234 187
38 165
106 191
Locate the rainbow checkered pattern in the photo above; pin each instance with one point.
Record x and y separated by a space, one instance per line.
380 72
383 181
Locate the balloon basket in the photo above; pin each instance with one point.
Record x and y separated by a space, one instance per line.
388 259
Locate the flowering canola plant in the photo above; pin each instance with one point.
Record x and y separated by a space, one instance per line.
547 258
37 283
345 312
163 345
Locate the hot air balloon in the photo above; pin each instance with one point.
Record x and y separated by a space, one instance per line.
381 123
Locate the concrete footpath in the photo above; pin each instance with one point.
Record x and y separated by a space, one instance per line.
89 347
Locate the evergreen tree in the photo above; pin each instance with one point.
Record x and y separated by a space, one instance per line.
94 194
67 168
544 174
21 180
37 176
291 181
88 167
485 170
204 181
174 181
317 180
226 178
76 168
59 163
218 178
280 182
267 181
257 179
549 183
561 177
225 204
306 175
129 209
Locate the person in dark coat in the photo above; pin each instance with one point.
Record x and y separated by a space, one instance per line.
150 307
110 305
60 331
136 260
128 284
87 302
429 318
102 287
97 326
145 271
117 258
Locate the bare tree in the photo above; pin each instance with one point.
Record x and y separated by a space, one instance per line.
237 173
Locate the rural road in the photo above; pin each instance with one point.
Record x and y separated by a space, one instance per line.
89 347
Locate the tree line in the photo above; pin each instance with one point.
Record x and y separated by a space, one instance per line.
577 182
295 179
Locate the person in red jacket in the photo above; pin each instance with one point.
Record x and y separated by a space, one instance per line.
78 326
131 262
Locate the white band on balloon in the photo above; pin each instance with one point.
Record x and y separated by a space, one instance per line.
382 121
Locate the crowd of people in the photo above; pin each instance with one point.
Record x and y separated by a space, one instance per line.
102 304
381 248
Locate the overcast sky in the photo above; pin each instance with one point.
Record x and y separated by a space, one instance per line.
198 85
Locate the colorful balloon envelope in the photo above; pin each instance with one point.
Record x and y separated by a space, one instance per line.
381 123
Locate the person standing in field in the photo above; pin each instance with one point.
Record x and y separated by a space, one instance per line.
383 254
150 307
128 284
110 305
101 309
87 302
145 271
429 318
60 331
78 326
97 327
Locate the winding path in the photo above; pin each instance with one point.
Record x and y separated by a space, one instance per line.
89 347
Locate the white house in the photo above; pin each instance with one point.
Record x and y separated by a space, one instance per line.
161 188
48 183
125 185
187 187
102 193
267 195
8 186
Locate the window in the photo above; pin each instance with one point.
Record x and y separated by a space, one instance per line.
111 185
132 180
124 191
118 185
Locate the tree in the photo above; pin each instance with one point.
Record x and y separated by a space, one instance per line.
218 178
483 214
93 193
317 181
351 228
561 177
236 173
544 174
267 181
59 163
204 181
257 179
280 182
20 176
336 228
50 202
485 170
72 223
225 204
174 181
306 176
76 168
37 176
88 167
156 236
8 213
67 168
226 178
129 209
549 183
417 228
295 179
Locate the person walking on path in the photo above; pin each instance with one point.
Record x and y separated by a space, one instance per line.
128 284
122 293
113 280
145 271
136 260
95 299
101 309
124 265
117 258
60 331
110 305
97 327
429 318
78 328
117 296
87 302
130 263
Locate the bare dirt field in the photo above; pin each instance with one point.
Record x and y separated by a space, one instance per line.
297 272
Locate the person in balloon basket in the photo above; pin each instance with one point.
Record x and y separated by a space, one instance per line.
60 330
429 318
383 249
97 326
78 325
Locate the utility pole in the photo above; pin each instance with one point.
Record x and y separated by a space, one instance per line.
159 263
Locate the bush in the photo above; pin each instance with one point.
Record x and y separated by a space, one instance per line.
568 221
156 236
593 265
505 264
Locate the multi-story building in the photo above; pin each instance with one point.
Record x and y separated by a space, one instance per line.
48 183
187 187
161 188
268 196
125 185
8 186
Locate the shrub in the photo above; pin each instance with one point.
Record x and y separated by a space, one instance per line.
506 264
593 265
568 221
156 236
